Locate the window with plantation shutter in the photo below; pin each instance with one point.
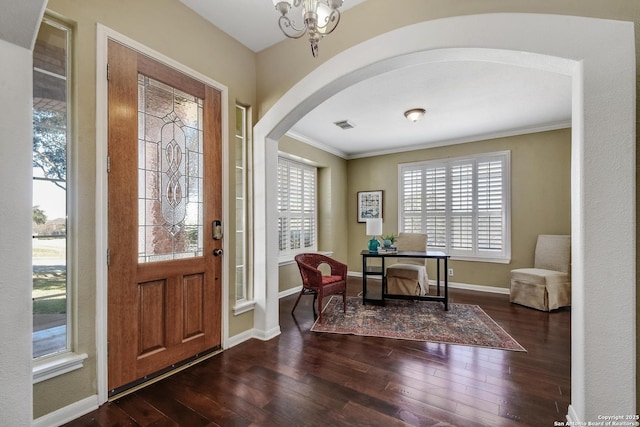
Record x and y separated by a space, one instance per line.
461 203
296 207
490 205
461 200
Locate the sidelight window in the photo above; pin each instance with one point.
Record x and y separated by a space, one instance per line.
51 234
241 170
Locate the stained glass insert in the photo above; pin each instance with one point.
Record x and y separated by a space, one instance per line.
170 165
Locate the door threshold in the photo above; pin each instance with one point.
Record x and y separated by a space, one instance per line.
138 384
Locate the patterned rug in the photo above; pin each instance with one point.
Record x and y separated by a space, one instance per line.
463 324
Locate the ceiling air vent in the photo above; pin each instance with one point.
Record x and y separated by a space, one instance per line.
344 124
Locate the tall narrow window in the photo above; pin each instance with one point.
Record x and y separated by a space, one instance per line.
241 203
462 204
296 207
51 267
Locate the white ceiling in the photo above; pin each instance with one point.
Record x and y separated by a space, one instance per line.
18 20
465 100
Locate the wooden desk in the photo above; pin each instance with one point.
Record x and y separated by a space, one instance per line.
368 270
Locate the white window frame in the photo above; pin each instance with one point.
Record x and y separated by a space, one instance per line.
417 220
245 302
289 253
64 360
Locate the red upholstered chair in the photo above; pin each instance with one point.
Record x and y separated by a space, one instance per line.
319 285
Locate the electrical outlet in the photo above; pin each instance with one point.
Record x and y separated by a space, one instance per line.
451 272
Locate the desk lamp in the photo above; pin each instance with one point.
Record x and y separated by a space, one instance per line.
374 228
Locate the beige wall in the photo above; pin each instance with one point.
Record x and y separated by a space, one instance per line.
332 205
175 31
540 197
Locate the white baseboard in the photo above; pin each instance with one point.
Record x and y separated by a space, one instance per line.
291 291
266 335
455 285
572 417
68 413
359 274
258 334
239 339
478 288
252 333
255 333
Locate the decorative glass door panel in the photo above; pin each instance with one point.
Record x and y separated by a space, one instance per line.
170 206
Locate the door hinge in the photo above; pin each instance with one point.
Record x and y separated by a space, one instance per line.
108 71
108 257
108 164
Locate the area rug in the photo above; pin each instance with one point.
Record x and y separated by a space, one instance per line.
463 324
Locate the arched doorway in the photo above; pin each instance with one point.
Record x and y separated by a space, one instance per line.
603 171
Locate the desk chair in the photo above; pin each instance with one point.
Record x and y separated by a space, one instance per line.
409 276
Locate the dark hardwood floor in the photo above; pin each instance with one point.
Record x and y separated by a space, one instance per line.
302 378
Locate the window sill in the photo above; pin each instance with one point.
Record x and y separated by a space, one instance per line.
481 259
53 366
243 307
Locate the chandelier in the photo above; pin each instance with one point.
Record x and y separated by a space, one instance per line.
315 17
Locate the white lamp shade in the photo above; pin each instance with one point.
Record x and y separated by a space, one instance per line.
275 2
374 226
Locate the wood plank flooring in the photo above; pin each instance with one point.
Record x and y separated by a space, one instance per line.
303 378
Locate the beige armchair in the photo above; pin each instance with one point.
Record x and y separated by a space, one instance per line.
547 286
409 276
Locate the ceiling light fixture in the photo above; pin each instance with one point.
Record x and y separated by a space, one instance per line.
414 114
318 17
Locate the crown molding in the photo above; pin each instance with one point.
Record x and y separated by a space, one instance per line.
483 137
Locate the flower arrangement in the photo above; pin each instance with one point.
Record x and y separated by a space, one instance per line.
389 239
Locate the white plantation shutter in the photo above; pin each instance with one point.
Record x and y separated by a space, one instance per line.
413 201
436 206
283 205
462 205
461 199
296 207
490 206
309 209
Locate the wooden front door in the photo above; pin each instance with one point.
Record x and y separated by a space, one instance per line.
165 186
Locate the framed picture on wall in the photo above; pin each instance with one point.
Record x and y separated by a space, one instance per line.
369 205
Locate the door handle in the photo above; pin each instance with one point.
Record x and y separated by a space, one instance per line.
217 252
